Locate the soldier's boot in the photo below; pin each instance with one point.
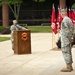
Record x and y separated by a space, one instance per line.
69 68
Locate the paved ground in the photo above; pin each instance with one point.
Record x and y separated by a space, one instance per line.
42 61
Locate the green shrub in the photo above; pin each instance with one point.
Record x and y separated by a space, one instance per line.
1 27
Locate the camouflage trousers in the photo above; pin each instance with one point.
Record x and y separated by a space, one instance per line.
67 54
12 45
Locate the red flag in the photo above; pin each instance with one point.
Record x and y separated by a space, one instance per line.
73 16
53 21
59 19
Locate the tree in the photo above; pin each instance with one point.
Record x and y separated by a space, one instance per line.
14 6
73 6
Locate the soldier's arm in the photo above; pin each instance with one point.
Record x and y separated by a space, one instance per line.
20 27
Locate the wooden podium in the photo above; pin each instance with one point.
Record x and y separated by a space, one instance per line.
22 42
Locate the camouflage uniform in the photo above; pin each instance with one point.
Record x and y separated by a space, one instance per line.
67 31
12 28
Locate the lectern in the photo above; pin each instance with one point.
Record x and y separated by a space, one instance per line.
22 42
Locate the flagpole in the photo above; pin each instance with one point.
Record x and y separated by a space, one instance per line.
53 25
52 39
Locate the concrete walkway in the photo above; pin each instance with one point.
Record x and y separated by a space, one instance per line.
42 61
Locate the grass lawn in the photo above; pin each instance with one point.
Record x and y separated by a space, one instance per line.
42 29
4 39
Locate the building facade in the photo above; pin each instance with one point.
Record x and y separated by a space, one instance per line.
33 13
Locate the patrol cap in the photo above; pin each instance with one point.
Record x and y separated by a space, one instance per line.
63 10
14 21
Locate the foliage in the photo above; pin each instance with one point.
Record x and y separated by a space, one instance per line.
9 2
73 6
1 27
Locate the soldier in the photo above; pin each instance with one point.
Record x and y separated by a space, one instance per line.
13 27
67 31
